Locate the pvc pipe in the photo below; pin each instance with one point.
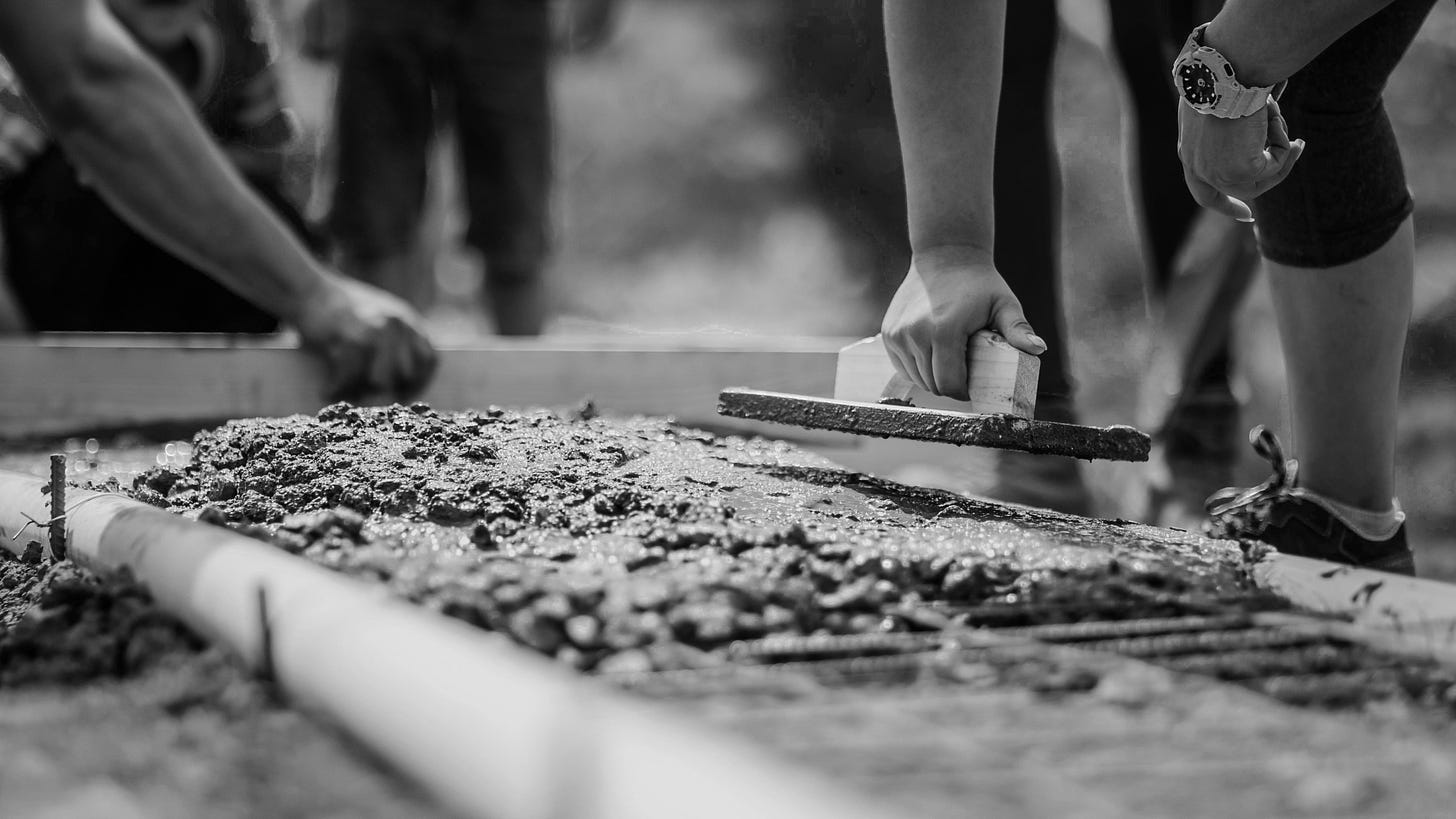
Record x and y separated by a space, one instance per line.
1375 600
486 727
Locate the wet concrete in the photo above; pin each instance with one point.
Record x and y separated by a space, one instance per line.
635 544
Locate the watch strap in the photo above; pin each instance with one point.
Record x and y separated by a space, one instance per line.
1237 100
1243 102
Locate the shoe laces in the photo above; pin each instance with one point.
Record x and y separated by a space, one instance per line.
1240 512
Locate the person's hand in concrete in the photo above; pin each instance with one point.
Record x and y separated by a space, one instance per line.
949 294
372 342
1229 162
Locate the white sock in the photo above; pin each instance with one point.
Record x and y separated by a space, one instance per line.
1367 523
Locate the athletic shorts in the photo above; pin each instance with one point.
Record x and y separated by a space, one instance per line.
1347 195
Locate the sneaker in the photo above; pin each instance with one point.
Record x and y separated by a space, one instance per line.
1273 513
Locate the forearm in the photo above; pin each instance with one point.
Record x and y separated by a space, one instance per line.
1268 41
133 135
945 73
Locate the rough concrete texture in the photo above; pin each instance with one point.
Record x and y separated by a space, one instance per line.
632 545
627 546
72 627
109 707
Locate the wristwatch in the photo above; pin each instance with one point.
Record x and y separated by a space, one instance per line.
1208 85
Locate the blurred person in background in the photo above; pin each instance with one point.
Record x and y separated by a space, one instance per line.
836 70
407 71
1195 448
103 156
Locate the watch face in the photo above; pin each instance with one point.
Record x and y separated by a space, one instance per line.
1197 84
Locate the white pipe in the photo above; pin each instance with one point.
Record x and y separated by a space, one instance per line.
485 726
1377 601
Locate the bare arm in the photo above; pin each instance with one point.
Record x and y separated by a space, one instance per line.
135 137
945 72
1268 41
945 69
1228 163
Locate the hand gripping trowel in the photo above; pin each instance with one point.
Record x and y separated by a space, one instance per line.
872 398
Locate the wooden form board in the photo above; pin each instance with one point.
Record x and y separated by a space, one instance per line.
59 384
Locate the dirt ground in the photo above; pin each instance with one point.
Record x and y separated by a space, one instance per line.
109 708
1187 750
192 737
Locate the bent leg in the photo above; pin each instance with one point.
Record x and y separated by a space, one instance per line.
1343 330
1340 246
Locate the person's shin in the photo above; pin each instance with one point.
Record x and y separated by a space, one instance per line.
1343 332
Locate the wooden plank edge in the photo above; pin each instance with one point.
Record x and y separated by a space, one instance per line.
941 426
55 390
643 341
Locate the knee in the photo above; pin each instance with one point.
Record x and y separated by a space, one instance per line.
1348 195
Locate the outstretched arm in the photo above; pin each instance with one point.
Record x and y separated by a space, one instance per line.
945 72
133 135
